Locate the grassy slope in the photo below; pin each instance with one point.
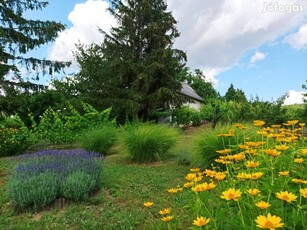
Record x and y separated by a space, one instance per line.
119 204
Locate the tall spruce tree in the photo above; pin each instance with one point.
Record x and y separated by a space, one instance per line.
18 35
134 69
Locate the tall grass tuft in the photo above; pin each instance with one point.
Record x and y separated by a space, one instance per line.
149 142
206 143
99 140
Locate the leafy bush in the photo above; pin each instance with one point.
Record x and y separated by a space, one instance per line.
208 142
15 137
42 176
99 140
186 116
148 142
67 126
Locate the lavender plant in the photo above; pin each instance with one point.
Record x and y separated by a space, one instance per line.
78 185
43 176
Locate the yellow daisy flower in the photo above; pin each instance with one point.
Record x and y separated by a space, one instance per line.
262 205
167 218
201 221
303 192
172 190
299 160
220 176
281 147
252 164
148 204
286 196
231 194
290 123
223 151
272 152
256 176
253 191
269 222
283 173
259 123
188 184
165 211
299 181
190 176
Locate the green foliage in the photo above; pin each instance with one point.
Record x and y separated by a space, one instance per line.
148 142
136 65
15 137
77 186
217 110
186 116
99 140
18 35
67 126
38 102
34 191
295 112
236 95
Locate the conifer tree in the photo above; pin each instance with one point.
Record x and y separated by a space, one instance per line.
137 67
18 35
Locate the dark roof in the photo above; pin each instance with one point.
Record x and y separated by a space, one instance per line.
189 91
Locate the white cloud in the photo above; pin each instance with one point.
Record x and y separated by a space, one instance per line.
299 39
86 19
215 34
258 56
294 97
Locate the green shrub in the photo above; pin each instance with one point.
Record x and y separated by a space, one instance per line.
15 137
33 191
77 186
149 142
208 142
67 126
195 117
183 115
186 116
99 140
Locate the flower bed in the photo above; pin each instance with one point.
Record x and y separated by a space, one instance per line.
264 185
43 176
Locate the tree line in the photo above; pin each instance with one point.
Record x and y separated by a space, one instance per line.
135 69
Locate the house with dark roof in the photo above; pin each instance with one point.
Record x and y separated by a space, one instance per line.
193 100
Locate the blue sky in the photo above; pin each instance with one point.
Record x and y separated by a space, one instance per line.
264 53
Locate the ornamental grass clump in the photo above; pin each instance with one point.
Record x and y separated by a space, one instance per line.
211 140
263 184
43 176
149 142
99 140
